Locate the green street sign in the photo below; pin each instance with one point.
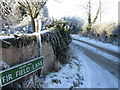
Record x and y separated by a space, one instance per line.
14 73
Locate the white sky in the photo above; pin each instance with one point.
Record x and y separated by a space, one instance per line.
74 8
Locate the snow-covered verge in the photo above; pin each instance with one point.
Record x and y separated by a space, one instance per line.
98 43
67 77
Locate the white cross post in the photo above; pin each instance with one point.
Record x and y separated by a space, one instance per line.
38 29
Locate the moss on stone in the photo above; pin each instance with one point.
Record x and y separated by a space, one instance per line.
18 42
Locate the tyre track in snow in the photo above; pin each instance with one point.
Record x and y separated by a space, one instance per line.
104 62
94 75
117 54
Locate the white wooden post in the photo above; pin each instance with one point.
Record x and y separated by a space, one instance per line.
38 29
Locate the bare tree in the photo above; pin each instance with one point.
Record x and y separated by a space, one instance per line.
90 22
33 8
5 17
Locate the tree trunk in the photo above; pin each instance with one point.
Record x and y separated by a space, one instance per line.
33 24
89 17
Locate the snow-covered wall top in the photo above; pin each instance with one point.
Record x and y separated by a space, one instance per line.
17 40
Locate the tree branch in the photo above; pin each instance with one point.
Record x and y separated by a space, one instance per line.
97 14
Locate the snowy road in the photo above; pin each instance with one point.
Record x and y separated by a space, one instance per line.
98 71
88 67
110 65
112 52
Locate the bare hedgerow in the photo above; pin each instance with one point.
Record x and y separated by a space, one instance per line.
107 32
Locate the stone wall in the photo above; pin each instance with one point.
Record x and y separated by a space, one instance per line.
49 57
15 54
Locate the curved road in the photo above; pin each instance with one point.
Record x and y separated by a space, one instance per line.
101 71
110 65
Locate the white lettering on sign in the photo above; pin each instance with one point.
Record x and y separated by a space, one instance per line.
14 73
22 71
7 78
36 65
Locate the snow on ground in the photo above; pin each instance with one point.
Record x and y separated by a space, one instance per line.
67 77
94 75
110 57
98 43
80 72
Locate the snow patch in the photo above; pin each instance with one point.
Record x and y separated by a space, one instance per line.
3 65
97 43
43 32
67 77
5 37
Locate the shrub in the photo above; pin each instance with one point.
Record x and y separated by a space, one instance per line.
59 38
75 24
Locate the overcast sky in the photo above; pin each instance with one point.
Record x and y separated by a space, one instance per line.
75 8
